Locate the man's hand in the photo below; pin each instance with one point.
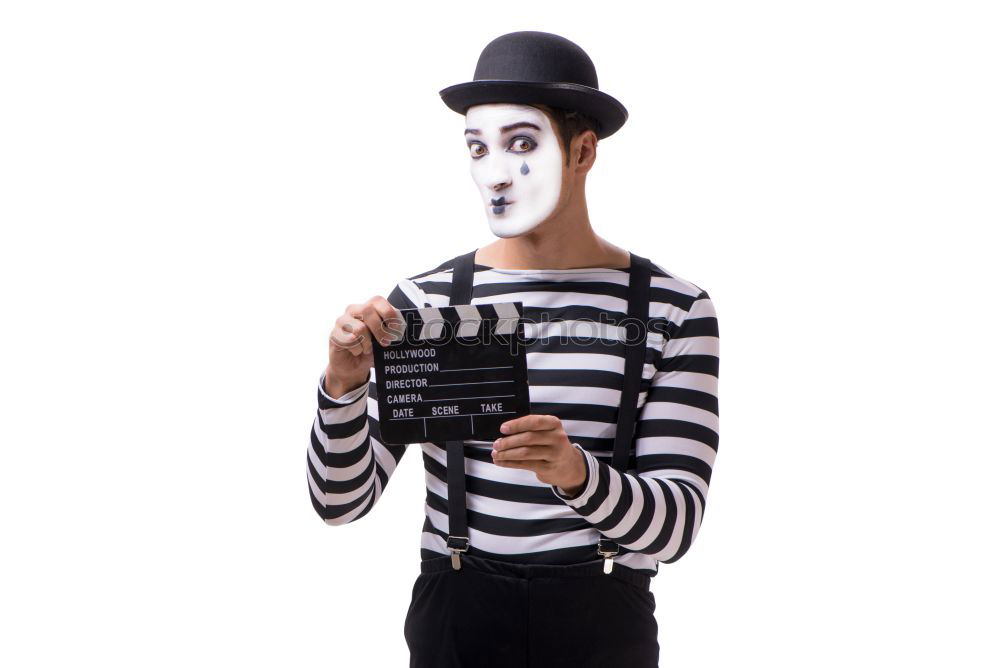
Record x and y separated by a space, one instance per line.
351 342
539 443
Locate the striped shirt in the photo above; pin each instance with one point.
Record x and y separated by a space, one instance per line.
575 357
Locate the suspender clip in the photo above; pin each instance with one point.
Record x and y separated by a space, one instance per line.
607 549
457 544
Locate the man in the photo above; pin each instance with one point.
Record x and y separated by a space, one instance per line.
543 498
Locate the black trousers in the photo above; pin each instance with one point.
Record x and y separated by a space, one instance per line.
492 614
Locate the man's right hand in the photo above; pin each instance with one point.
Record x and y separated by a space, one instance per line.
351 343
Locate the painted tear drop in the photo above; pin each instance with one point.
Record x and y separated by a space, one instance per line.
524 168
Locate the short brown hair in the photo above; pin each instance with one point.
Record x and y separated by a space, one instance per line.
568 124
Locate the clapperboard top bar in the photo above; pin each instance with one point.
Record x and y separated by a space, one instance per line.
469 320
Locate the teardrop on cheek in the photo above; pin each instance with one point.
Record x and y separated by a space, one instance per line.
524 168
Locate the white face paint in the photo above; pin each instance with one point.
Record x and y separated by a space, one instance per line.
518 171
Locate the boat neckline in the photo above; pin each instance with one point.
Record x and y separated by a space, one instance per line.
572 270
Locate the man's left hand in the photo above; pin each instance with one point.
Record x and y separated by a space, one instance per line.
539 443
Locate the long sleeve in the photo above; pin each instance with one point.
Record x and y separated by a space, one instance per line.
348 468
658 510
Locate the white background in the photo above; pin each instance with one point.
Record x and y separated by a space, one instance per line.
191 192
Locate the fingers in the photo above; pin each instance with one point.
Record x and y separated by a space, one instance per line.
392 320
348 334
366 342
374 313
527 438
530 423
539 452
537 466
355 328
532 438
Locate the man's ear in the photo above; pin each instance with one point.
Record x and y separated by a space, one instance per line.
584 150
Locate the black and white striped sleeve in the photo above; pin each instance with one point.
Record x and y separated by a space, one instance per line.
658 511
348 468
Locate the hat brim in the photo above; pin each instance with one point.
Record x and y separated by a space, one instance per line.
606 110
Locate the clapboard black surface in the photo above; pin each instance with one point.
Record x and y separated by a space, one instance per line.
457 373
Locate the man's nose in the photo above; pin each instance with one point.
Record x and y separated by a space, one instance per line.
499 176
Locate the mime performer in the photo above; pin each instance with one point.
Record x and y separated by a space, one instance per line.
545 554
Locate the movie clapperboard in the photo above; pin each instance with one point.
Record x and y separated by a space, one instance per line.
458 372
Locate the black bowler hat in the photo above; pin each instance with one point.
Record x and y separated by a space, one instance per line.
531 67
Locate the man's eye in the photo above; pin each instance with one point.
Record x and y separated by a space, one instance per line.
476 150
522 144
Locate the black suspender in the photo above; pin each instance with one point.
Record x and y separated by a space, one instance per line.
635 355
458 530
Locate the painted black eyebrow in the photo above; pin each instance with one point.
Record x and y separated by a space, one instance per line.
506 128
